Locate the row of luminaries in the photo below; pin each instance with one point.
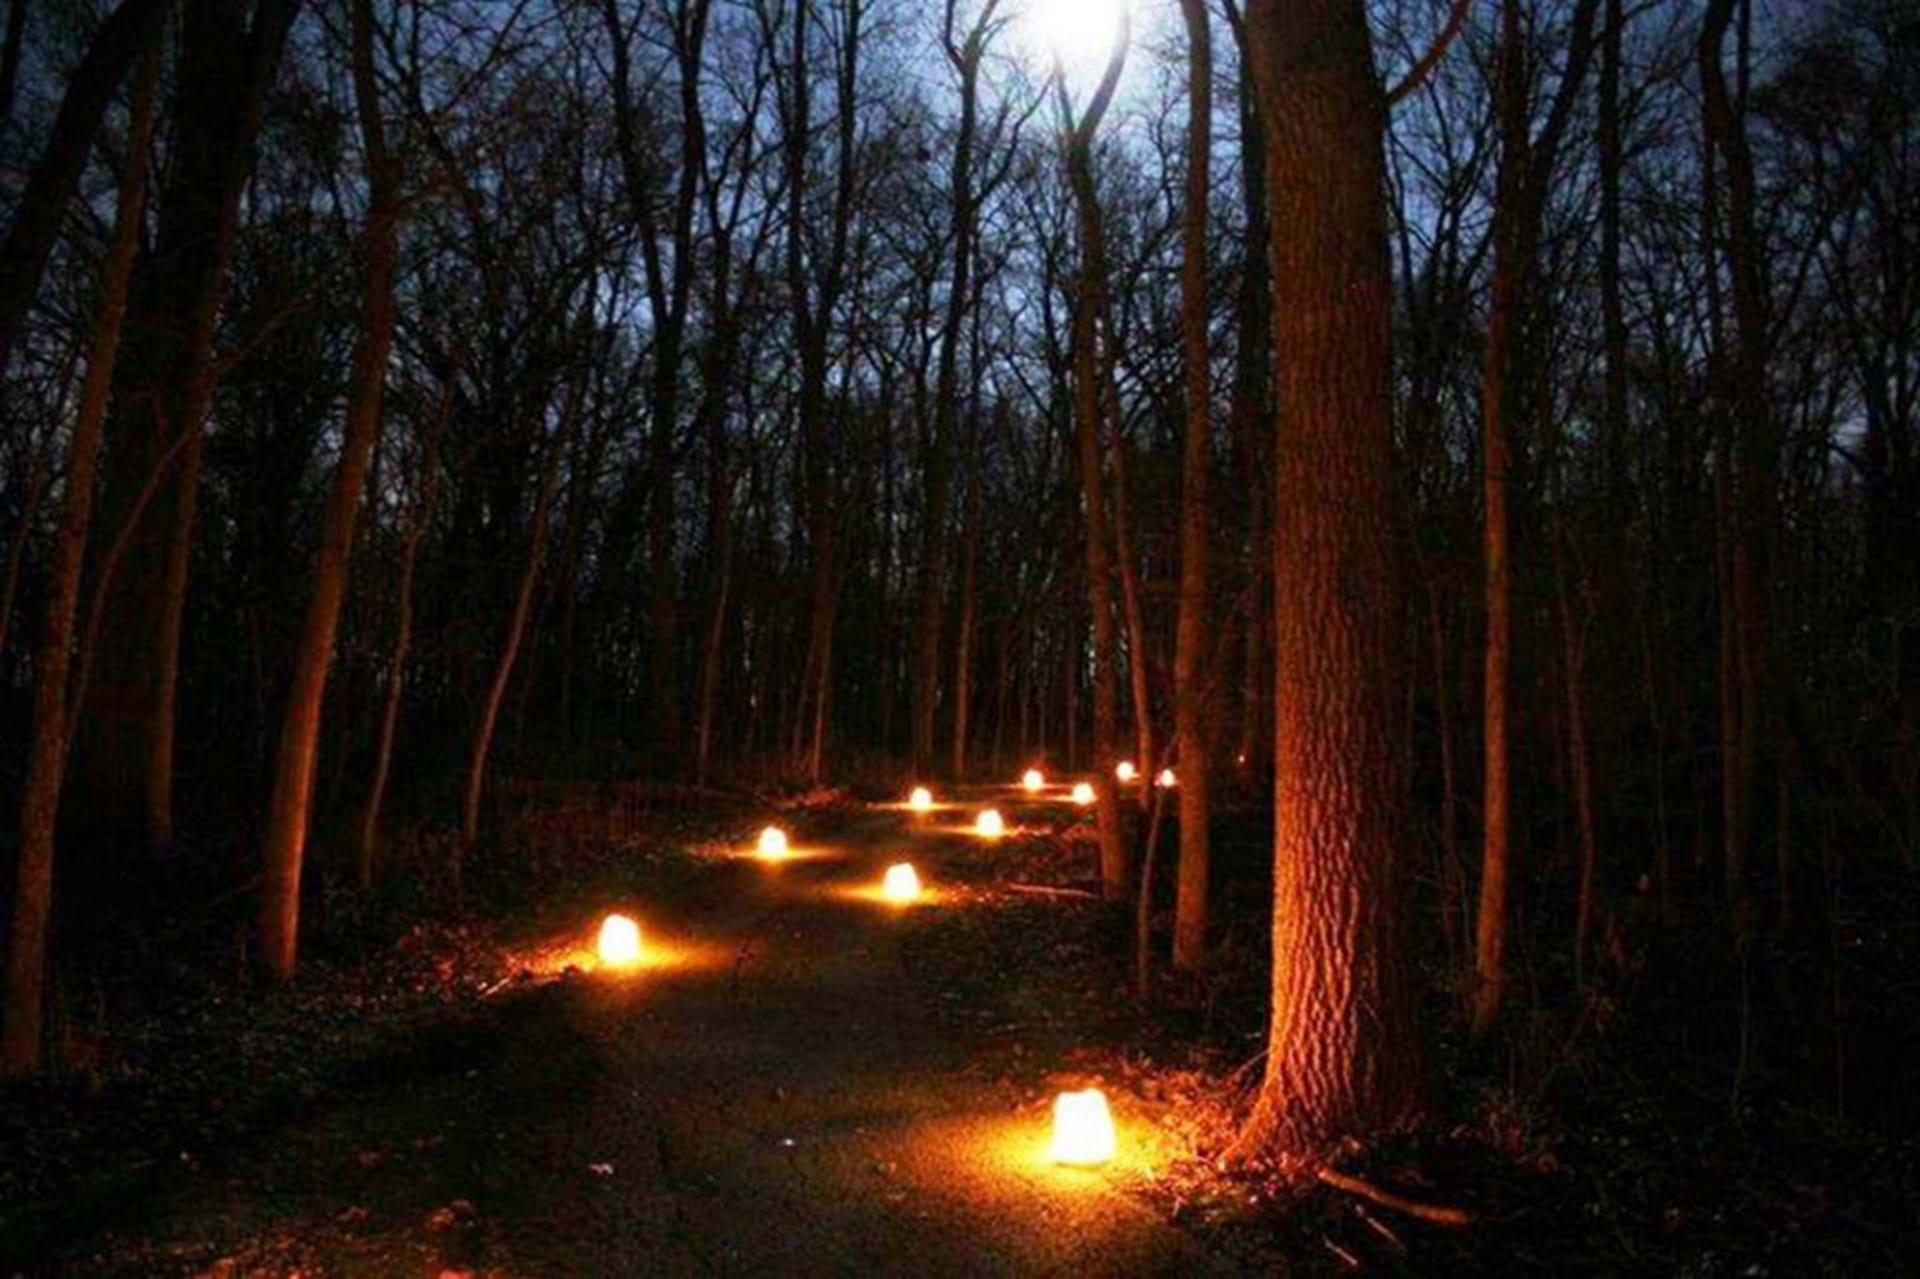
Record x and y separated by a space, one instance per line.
1083 1133
1034 781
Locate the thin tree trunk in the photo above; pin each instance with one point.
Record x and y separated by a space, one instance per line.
283 848
51 731
1191 678
516 627
42 206
1252 418
1573 638
969 597
1115 881
38 473
1748 463
1139 676
420 521
1499 394
1453 889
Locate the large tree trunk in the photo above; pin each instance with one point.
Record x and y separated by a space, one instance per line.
1191 678
1343 1059
47 747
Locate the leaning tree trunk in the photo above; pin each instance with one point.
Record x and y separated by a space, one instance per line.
1190 674
284 847
1343 1059
420 520
516 630
47 747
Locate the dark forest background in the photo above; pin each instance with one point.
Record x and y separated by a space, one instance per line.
707 371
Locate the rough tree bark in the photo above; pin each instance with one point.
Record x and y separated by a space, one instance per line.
1342 1058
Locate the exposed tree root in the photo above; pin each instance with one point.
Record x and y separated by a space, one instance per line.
1044 890
1437 1214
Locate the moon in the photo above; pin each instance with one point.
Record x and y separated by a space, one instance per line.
1080 33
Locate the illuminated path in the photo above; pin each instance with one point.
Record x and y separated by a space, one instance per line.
777 1101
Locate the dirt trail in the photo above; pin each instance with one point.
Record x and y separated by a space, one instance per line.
771 1098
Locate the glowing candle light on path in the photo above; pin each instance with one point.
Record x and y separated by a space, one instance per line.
990 823
1032 780
921 801
1125 770
619 943
1082 1128
773 843
1083 793
1166 780
902 883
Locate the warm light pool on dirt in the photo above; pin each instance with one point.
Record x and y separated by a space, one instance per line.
773 843
990 823
619 943
1082 1128
1166 780
1125 770
1032 780
921 800
902 883
1083 793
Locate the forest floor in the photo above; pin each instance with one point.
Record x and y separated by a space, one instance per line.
803 1079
